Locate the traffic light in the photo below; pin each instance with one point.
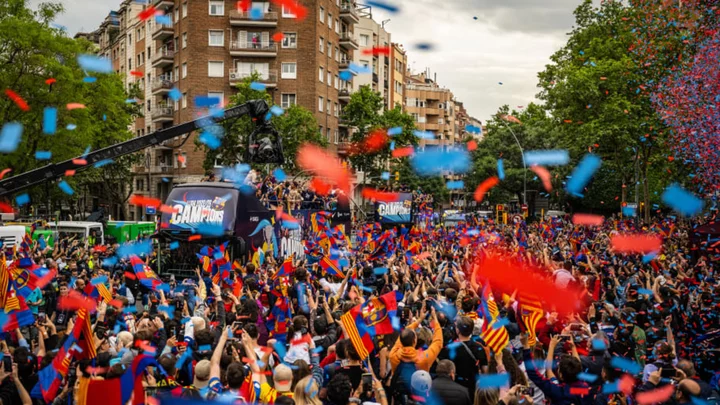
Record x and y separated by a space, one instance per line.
397 176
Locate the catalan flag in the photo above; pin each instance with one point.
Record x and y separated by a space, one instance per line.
531 319
494 334
329 267
373 318
82 331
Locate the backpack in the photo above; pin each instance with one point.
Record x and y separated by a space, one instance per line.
400 382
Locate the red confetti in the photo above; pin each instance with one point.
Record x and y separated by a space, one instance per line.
130 275
74 106
579 390
4 172
166 209
75 300
79 162
376 141
117 303
655 396
5 208
69 173
403 152
377 50
318 161
484 187
544 175
182 159
136 73
50 81
145 201
243 5
588 219
147 13
471 145
278 37
22 104
372 194
636 243
320 186
194 238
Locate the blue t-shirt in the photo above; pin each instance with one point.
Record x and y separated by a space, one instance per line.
35 296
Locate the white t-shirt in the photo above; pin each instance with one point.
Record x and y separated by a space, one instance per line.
562 278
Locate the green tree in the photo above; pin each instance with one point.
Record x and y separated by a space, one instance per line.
31 52
296 127
592 91
364 113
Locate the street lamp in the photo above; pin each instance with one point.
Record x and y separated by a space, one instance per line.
522 152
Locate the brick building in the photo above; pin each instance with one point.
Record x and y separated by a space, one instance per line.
433 108
208 48
371 34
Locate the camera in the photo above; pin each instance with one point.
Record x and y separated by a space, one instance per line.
530 391
265 146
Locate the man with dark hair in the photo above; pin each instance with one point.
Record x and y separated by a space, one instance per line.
339 389
688 368
446 388
468 355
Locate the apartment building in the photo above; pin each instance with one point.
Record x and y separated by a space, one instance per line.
372 35
398 63
433 108
205 48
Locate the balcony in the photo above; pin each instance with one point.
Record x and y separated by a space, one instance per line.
162 113
163 32
348 42
161 169
342 123
162 85
163 58
242 19
269 79
433 111
432 127
163 3
344 95
344 63
375 77
343 148
258 49
349 14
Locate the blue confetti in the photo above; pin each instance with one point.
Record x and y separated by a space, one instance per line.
279 174
70 127
345 75
629 211
379 271
131 101
644 291
500 169
287 224
423 46
424 134
204 348
175 94
102 163
257 86
395 131
10 137
455 185
256 13
382 5
89 79
625 365
65 187
500 322
392 145
599 344
682 201
49 120
582 174
385 176
493 380
433 161
359 69
136 248
206 101
22 199
43 155
210 140
547 157
99 280
611 387
587 377
277 111
92 63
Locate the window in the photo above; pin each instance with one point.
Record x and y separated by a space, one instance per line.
176 105
248 68
322 44
364 40
184 70
289 70
330 20
337 54
216 69
287 100
441 121
183 162
129 63
184 100
177 14
337 110
184 40
184 10
421 119
138 60
337 83
398 87
129 39
336 136
137 34
322 74
177 71
322 15
289 40
287 12
365 64
337 26
216 38
329 135
329 78
320 105
219 95
329 48
217 7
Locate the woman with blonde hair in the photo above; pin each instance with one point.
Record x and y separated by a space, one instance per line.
306 392
487 396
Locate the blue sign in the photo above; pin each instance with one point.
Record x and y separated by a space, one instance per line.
150 210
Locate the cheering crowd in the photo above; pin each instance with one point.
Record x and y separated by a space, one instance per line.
403 316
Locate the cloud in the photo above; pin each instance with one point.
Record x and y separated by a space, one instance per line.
82 15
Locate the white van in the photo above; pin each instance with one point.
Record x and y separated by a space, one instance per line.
81 229
11 235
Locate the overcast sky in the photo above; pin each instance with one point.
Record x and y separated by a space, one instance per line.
509 42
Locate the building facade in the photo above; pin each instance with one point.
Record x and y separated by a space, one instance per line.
371 36
208 48
433 108
398 68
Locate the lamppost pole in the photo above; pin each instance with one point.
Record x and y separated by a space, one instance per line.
522 153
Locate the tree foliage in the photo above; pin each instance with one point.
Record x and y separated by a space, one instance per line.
31 52
296 126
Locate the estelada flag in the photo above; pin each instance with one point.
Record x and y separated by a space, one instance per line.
373 318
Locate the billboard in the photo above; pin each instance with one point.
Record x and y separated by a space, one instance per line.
195 207
395 212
